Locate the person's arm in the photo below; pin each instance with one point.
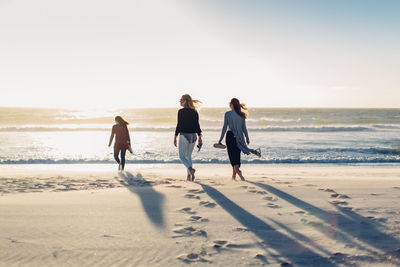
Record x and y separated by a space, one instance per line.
244 129
112 136
198 130
224 128
178 127
129 137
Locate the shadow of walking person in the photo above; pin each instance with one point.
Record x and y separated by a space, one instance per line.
152 201
278 245
348 226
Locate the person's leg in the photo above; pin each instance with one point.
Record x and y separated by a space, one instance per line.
183 152
116 152
229 140
190 148
234 155
123 153
238 171
232 151
238 164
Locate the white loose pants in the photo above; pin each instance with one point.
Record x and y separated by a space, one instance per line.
185 152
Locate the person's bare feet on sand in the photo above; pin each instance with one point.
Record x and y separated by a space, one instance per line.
233 174
239 172
192 171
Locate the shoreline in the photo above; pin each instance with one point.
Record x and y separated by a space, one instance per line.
71 177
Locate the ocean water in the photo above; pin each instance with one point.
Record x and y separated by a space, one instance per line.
299 136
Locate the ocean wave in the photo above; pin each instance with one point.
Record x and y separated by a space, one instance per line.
315 129
372 150
210 161
169 129
386 126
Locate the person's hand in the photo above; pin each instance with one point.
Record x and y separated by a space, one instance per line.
248 141
200 142
175 144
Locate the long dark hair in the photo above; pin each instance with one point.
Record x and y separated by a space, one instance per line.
240 108
121 121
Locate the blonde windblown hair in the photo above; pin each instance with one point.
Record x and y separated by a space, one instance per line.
189 102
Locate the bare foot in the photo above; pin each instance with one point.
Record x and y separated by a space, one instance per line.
239 172
192 171
241 176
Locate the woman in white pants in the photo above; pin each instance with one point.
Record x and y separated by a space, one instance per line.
188 129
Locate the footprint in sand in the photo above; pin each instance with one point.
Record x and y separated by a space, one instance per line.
219 243
195 218
191 196
270 198
260 192
189 231
300 212
396 187
339 202
196 191
336 195
310 185
347 208
244 186
261 257
327 190
187 211
273 206
316 224
207 204
381 220
193 257
240 229
106 236
175 186
283 182
13 240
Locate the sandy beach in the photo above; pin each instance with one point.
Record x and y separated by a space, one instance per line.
283 215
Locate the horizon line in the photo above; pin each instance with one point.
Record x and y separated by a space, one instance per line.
172 107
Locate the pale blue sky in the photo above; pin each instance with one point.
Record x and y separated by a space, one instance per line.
147 53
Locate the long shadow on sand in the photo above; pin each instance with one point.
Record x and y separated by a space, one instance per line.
277 244
345 225
152 201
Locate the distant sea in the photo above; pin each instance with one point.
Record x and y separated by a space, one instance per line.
285 135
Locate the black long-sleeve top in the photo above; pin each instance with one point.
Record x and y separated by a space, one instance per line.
188 121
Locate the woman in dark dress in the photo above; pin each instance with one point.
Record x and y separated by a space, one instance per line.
188 129
237 137
122 141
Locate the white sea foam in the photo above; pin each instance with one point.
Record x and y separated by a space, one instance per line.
297 136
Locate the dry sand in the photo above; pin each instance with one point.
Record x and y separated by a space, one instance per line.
283 215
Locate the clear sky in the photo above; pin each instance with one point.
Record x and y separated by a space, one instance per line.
130 53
